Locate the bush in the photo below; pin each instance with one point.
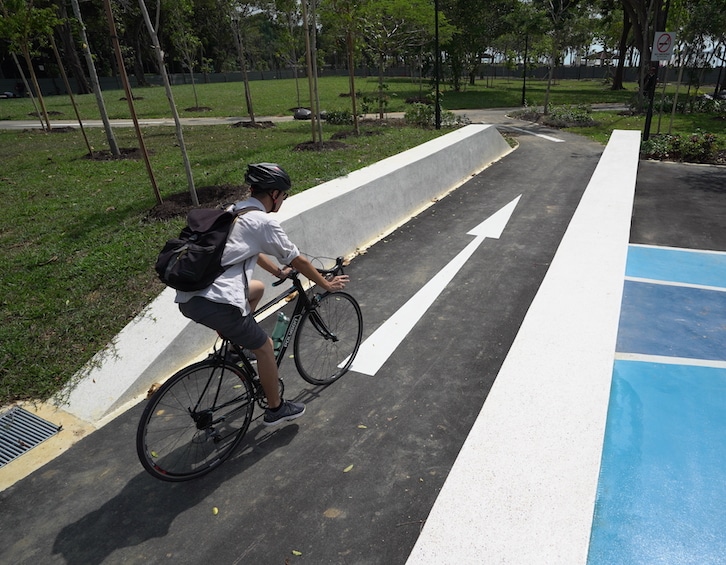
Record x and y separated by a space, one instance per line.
569 116
424 115
339 117
699 147
685 104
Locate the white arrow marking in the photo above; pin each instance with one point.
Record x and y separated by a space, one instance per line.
374 351
543 136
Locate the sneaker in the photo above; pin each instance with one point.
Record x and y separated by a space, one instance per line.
287 412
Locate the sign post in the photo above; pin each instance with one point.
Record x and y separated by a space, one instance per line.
663 43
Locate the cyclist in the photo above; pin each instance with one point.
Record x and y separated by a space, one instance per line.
226 306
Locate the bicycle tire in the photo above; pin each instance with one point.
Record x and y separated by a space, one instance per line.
195 420
321 359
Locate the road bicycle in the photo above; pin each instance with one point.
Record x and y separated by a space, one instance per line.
194 421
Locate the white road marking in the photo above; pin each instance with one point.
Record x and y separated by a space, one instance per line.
383 342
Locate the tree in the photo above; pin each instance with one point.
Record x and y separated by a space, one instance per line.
27 27
172 105
478 24
392 27
180 34
342 17
65 32
525 27
110 137
647 17
564 29
287 12
238 13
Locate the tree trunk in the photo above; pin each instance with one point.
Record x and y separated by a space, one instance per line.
620 69
73 60
138 61
36 87
380 85
110 137
172 105
350 46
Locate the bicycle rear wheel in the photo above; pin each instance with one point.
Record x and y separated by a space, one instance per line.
328 338
194 421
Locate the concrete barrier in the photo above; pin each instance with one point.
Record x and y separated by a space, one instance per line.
337 218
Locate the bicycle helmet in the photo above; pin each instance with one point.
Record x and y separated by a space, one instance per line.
267 176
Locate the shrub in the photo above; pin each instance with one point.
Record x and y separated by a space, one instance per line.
569 116
424 115
699 147
339 117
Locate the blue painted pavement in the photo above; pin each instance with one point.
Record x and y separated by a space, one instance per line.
662 487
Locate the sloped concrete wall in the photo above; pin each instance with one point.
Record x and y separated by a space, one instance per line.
336 218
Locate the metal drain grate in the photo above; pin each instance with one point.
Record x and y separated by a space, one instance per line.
21 431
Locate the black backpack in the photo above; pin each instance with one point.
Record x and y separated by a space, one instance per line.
194 259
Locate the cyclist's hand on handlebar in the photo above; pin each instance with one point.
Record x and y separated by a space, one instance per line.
284 272
337 283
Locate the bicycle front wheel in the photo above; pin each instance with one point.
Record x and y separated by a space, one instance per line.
194 421
328 338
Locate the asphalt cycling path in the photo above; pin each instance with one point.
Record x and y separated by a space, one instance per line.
353 480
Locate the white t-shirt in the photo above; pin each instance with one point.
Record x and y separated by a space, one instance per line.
253 233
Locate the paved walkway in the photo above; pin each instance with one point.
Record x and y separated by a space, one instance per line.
426 448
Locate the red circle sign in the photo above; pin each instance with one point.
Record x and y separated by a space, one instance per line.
664 43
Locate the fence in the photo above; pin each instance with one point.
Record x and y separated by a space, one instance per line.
54 86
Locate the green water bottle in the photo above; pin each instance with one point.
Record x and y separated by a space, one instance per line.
278 332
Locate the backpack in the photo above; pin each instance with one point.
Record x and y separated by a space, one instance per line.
193 260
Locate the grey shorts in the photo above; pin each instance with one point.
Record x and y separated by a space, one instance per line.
227 320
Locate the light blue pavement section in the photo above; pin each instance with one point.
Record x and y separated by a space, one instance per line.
685 266
662 488
662 491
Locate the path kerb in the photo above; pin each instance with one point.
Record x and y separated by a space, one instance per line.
337 218
523 487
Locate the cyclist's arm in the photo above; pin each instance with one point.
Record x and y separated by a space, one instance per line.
266 263
306 268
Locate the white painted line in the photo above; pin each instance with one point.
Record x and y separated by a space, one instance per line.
683 249
374 351
664 360
522 489
678 284
543 136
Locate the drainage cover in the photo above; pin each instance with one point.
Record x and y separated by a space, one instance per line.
20 431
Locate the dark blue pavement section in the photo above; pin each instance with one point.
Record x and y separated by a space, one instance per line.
674 321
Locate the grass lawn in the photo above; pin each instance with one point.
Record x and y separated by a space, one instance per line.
77 244
278 97
76 241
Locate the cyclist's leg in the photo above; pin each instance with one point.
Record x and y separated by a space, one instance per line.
255 291
244 331
268 371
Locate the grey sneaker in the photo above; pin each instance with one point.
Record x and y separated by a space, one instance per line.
287 412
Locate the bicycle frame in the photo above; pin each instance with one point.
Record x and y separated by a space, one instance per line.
303 304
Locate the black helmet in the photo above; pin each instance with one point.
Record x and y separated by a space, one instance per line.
267 176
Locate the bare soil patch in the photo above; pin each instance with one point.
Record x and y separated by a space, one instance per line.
180 203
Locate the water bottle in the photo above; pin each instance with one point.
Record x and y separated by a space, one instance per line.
278 333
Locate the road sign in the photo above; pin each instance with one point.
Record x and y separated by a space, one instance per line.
663 44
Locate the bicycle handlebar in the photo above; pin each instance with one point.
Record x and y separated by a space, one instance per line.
334 271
